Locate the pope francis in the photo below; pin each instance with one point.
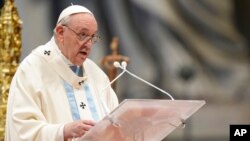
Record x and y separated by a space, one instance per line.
57 93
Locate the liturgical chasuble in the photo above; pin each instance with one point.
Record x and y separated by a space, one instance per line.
38 101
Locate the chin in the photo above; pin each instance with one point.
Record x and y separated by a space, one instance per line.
79 62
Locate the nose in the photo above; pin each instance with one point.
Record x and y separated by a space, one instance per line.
88 43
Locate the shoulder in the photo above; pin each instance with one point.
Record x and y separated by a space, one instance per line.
34 63
39 55
32 60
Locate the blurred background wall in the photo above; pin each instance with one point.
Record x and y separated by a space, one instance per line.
194 49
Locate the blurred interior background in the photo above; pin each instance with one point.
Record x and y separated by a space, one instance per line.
193 49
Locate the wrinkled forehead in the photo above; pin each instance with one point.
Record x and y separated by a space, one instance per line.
82 19
84 22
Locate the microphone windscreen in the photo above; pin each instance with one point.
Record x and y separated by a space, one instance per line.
124 64
116 64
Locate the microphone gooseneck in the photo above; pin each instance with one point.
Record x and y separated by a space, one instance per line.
116 64
123 66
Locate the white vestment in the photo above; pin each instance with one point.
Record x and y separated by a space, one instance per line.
38 107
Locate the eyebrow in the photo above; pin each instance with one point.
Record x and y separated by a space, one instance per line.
84 31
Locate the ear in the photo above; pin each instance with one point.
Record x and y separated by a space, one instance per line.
59 32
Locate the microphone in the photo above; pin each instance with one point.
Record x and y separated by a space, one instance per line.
123 66
116 64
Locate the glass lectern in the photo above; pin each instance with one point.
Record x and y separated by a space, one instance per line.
143 120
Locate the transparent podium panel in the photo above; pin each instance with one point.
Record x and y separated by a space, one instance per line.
143 120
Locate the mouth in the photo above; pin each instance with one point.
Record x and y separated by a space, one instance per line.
84 53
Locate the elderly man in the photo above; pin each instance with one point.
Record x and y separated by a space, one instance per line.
58 93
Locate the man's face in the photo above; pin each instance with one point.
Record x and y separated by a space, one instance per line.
73 45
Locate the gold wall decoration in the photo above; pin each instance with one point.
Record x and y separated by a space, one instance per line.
10 50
